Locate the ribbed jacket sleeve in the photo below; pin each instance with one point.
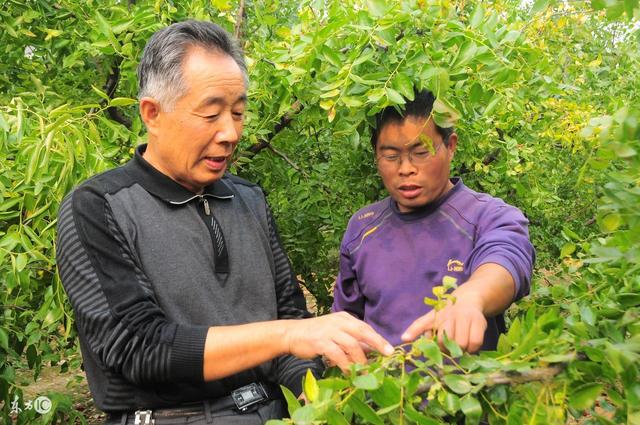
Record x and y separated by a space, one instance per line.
502 237
114 306
291 305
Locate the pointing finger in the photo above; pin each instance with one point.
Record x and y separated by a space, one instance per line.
419 326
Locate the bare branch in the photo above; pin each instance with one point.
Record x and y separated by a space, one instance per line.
239 19
285 120
288 161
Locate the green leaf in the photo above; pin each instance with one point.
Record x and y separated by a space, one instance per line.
293 403
457 383
476 18
305 415
103 24
388 409
100 92
440 82
21 261
122 101
445 115
311 389
395 97
404 86
452 346
375 95
336 418
377 8
366 382
628 299
511 36
418 417
611 222
570 233
498 394
584 396
388 393
351 102
471 408
623 150
430 350
492 105
365 411
4 340
586 313
467 53
451 403
331 93
539 6
567 250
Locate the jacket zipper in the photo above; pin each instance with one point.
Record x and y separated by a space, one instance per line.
207 209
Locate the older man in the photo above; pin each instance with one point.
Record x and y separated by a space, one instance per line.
397 250
185 302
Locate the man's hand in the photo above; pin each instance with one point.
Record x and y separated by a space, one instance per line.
462 321
488 292
339 337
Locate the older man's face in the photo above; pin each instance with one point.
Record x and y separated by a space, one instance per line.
193 143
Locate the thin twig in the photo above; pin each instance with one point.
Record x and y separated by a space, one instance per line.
288 161
239 19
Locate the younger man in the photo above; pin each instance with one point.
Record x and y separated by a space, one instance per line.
397 250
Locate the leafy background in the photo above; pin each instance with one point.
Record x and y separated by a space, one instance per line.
544 96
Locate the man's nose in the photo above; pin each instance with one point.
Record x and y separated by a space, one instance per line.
406 167
228 131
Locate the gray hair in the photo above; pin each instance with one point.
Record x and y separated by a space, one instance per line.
160 68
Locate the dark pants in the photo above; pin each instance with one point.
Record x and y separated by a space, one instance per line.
273 409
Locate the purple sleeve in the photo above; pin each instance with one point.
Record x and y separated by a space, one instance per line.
346 295
503 238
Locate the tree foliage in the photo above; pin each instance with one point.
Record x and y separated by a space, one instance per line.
543 95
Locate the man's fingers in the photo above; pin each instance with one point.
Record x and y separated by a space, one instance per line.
350 347
366 335
476 334
335 356
419 326
462 329
448 327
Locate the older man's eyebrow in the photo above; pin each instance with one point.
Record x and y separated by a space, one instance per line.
218 100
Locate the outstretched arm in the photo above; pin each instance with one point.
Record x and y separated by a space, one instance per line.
339 337
488 292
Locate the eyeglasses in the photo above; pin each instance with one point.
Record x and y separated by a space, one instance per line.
417 156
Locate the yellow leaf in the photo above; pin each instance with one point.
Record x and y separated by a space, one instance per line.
51 33
332 114
311 389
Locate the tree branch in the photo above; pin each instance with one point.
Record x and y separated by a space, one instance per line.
288 161
285 120
514 378
239 19
109 88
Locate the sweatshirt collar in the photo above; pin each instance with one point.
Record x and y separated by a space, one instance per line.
430 207
165 187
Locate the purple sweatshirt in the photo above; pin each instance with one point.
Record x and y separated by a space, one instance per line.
390 261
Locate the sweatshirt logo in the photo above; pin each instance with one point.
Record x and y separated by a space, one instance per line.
455 266
365 215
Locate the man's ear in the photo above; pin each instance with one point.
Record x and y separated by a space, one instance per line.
150 113
453 144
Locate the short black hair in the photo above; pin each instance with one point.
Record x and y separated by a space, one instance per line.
420 107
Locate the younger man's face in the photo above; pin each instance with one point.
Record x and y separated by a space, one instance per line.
423 179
